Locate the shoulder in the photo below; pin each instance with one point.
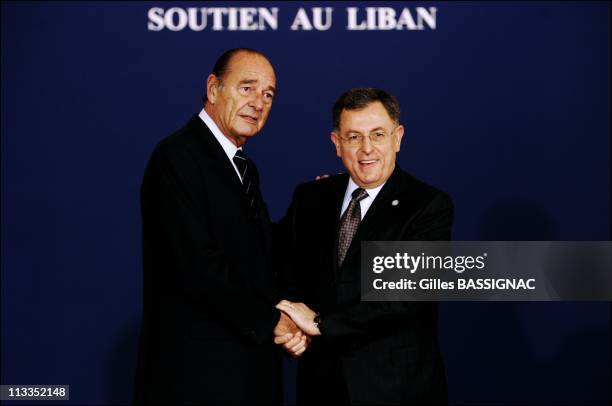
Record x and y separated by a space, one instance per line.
187 137
187 143
318 189
182 152
419 191
427 211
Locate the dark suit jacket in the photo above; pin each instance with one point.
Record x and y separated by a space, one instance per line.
209 292
384 352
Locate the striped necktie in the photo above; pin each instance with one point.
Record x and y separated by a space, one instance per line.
246 175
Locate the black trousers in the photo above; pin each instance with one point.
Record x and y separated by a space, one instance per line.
321 381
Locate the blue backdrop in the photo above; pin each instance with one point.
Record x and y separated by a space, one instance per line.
506 107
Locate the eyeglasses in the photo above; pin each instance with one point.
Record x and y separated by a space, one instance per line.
377 138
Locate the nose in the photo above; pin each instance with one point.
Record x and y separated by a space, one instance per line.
366 144
257 101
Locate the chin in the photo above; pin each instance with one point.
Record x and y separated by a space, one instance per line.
369 180
246 134
248 131
367 183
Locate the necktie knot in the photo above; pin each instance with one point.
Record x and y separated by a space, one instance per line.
359 194
240 154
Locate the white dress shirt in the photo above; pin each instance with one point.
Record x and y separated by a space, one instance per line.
365 203
228 146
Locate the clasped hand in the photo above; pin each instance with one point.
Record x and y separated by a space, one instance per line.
295 328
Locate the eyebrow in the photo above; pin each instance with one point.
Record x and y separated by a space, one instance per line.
372 130
251 81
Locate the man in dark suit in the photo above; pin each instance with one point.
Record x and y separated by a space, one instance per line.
209 291
362 352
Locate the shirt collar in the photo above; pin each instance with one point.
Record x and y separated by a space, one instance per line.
228 146
373 192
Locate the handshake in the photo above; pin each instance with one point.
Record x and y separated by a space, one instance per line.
296 327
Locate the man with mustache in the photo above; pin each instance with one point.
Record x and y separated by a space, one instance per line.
209 291
361 352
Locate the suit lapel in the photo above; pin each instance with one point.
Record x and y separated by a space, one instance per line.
333 220
219 160
224 168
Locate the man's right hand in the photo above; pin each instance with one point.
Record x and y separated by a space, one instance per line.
289 335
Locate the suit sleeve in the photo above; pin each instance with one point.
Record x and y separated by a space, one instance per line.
352 322
179 248
284 254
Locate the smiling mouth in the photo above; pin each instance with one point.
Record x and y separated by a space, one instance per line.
367 163
250 119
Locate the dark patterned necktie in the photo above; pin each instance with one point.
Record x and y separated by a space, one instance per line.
246 174
349 223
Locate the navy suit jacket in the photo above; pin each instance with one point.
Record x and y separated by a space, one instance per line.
209 290
385 352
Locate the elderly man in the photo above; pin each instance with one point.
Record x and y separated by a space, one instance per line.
361 352
209 316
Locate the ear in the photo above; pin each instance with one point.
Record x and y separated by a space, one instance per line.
336 140
212 88
399 133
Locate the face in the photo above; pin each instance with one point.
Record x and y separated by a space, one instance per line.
240 103
368 164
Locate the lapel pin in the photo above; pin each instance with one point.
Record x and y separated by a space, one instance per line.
395 203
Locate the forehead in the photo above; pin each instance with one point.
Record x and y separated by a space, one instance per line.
248 66
374 115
